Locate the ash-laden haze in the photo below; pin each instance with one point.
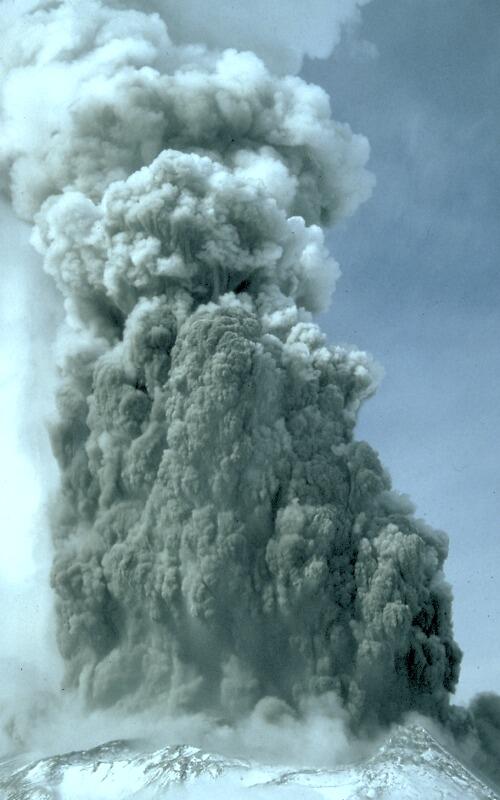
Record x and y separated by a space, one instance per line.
220 538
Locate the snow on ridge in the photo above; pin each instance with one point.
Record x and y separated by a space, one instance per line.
410 764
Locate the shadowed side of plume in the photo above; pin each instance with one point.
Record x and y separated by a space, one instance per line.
241 544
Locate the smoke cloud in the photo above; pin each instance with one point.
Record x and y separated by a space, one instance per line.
280 33
221 539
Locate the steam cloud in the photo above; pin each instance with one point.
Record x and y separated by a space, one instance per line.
221 540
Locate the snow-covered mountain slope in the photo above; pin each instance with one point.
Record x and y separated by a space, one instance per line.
411 764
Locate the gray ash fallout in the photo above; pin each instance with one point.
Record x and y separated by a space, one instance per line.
219 536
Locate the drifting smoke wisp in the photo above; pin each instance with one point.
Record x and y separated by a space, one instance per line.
221 540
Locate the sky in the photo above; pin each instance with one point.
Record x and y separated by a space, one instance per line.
419 291
420 285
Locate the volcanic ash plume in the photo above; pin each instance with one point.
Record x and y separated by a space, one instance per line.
220 537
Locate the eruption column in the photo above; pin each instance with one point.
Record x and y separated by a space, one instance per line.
220 536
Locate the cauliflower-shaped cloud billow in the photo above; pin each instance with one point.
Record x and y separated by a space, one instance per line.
220 536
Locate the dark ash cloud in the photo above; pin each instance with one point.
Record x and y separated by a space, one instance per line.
220 536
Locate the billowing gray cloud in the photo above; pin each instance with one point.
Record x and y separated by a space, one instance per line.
220 536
